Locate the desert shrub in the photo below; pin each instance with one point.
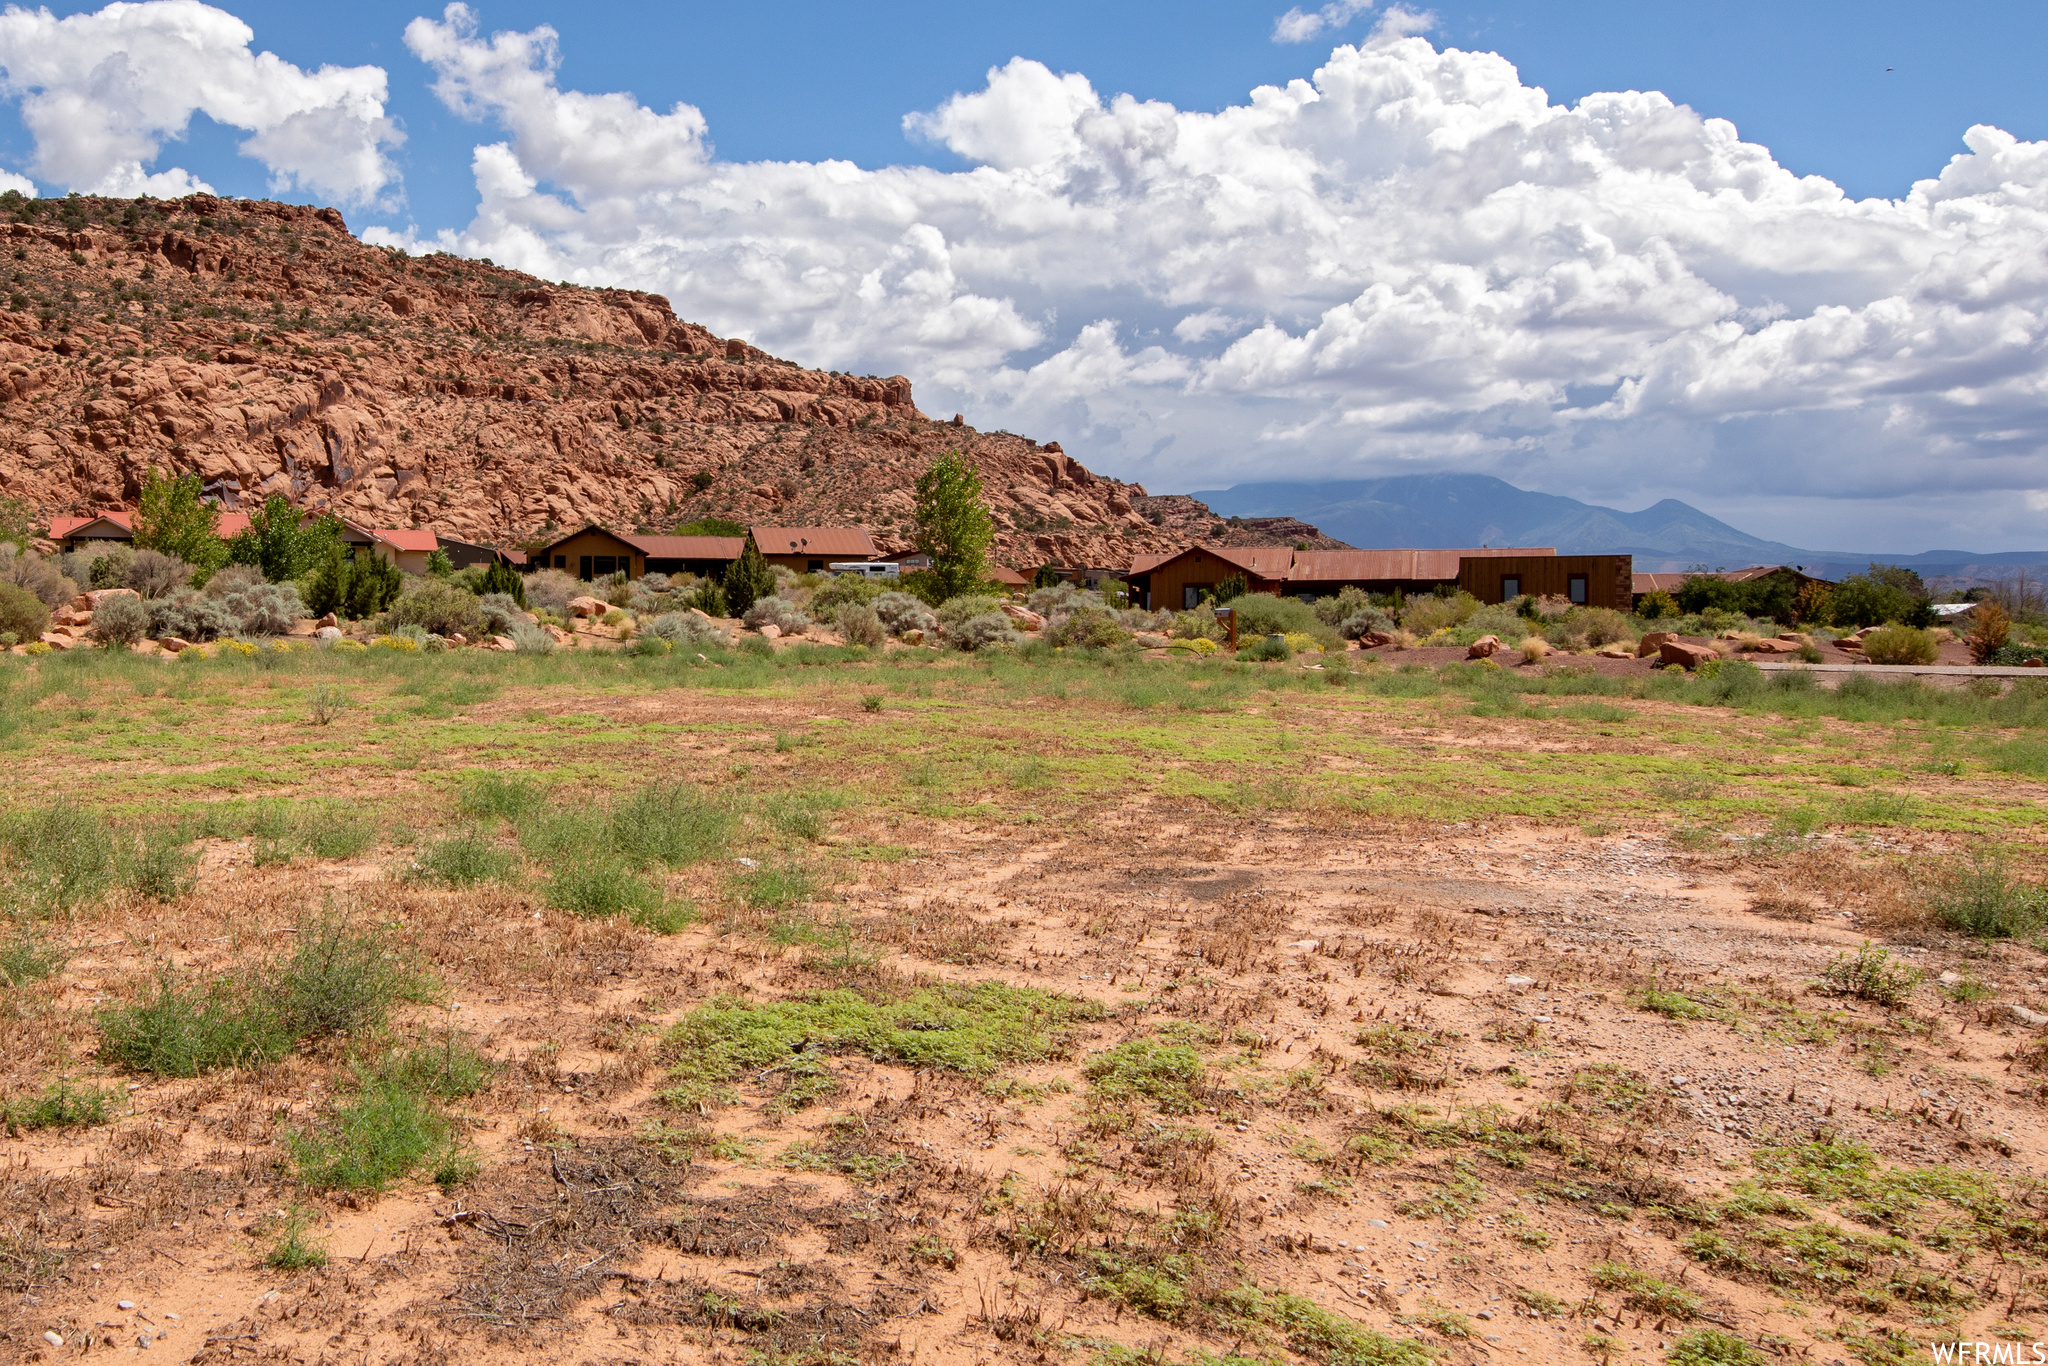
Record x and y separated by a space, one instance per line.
188 615
234 578
1199 624
779 612
529 639
462 859
600 886
708 597
293 1250
438 606
109 569
1500 619
683 628
1097 630
500 795
1427 615
958 610
549 590
990 629
1990 628
1900 645
1714 1347
1263 614
341 978
184 1030
1871 975
1359 625
672 824
843 590
900 612
2015 655
1657 605
60 1106
157 864
25 569
1603 626
500 612
59 855
22 613
27 957
1534 650
1348 603
1984 899
1260 649
447 1068
385 1131
859 625
748 579
235 602
121 621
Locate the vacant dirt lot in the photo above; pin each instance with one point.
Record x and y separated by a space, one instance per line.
949 1015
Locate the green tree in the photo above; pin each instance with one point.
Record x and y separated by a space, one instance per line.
953 526
352 586
175 520
747 580
439 565
1046 577
1862 600
503 578
281 543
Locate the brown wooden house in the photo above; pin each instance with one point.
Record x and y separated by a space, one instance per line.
1584 580
595 553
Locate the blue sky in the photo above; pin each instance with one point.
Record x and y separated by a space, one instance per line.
803 81
1413 263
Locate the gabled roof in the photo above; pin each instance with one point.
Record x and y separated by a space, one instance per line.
228 525
408 539
588 529
1003 574
1671 583
826 542
688 547
61 527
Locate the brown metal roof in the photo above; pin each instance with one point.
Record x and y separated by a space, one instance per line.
688 547
1385 566
827 542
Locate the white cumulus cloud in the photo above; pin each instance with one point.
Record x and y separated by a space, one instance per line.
1408 258
102 92
1299 25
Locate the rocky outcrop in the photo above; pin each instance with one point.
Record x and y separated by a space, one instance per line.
262 347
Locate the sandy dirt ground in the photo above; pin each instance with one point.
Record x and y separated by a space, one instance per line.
1493 1090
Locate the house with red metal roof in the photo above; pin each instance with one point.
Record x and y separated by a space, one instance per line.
408 548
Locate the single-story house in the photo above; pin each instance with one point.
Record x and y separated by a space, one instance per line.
101 528
1176 580
1584 580
116 526
405 547
706 555
807 549
595 553
1008 577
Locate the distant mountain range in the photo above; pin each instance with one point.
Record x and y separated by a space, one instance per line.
1439 510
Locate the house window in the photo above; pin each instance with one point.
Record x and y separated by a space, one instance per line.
583 570
561 561
606 565
1510 586
1191 596
817 566
1577 589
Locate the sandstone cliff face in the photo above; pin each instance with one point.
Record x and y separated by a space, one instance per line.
265 348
